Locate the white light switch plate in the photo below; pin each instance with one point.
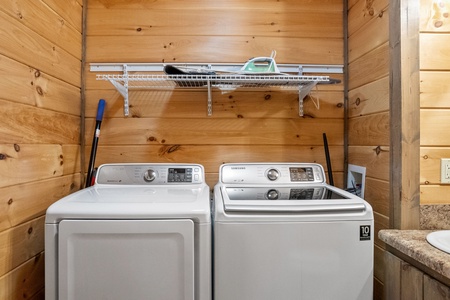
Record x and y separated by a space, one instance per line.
445 170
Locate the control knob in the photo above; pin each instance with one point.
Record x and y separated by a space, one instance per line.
272 195
273 174
149 175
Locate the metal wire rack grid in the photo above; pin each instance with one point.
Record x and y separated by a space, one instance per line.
143 81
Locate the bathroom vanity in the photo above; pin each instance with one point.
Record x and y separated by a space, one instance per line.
415 270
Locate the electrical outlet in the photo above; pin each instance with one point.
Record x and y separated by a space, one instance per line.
445 170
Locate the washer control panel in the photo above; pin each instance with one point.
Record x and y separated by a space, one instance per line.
255 173
150 174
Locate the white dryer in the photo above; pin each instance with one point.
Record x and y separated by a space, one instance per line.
143 231
281 232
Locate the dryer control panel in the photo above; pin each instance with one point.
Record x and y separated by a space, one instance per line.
150 174
278 173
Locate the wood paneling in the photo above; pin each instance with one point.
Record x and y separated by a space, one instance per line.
40 295
369 130
434 99
193 104
374 158
69 11
434 194
370 67
21 244
25 281
44 21
24 163
29 47
212 49
435 89
434 127
376 193
40 71
434 54
379 269
26 124
291 5
375 34
363 12
434 16
23 202
264 131
404 108
279 22
369 99
430 164
212 156
71 159
23 84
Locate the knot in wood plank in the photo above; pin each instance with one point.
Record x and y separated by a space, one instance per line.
378 150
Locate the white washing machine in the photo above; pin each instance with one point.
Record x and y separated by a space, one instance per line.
143 231
281 232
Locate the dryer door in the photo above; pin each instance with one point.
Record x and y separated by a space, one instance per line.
126 259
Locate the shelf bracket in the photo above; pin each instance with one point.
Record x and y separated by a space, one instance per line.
303 91
123 90
300 102
209 98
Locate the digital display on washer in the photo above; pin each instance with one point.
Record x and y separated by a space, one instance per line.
282 193
301 174
180 175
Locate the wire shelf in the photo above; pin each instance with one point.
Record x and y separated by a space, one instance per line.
130 80
144 81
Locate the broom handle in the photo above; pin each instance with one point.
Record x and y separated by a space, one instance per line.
98 123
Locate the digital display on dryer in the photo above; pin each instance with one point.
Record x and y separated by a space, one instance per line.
180 175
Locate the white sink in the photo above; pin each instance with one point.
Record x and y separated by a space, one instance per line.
440 239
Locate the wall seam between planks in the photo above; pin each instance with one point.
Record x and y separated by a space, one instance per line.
346 85
83 96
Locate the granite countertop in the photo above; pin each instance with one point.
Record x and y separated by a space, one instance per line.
413 244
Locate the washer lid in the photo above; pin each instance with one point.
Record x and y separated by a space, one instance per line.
134 202
290 199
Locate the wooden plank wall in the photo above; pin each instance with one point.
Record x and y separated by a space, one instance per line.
434 99
405 114
40 67
261 126
368 111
